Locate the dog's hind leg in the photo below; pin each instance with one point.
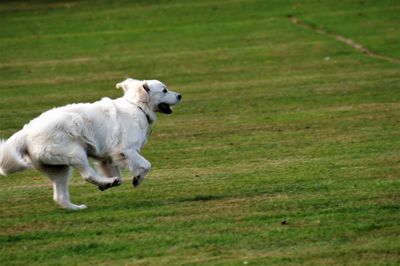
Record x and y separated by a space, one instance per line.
109 169
81 163
59 175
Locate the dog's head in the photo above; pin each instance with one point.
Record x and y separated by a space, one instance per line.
152 93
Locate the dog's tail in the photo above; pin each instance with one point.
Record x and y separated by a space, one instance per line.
12 153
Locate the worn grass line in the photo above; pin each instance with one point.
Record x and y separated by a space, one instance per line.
359 47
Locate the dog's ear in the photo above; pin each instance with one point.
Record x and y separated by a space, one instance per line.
146 86
122 85
143 93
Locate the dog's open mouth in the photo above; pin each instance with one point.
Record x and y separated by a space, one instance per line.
165 108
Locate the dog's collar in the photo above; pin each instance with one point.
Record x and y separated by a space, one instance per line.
149 120
148 117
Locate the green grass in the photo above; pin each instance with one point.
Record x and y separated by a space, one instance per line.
285 149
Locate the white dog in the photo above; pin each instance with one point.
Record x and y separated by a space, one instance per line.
112 132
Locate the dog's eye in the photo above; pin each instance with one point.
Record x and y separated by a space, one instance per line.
165 90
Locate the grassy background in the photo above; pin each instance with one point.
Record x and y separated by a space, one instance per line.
285 149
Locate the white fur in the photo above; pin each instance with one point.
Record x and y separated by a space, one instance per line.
112 132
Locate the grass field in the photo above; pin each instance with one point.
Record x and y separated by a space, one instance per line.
285 149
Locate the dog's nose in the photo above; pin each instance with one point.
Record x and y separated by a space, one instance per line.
179 97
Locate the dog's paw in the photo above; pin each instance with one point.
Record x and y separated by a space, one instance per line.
136 181
104 187
81 207
74 207
117 182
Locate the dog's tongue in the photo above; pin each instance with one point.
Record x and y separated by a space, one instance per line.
165 108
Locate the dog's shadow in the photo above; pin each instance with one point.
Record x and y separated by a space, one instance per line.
203 198
136 205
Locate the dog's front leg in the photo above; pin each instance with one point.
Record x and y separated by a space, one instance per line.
109 169
138 166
